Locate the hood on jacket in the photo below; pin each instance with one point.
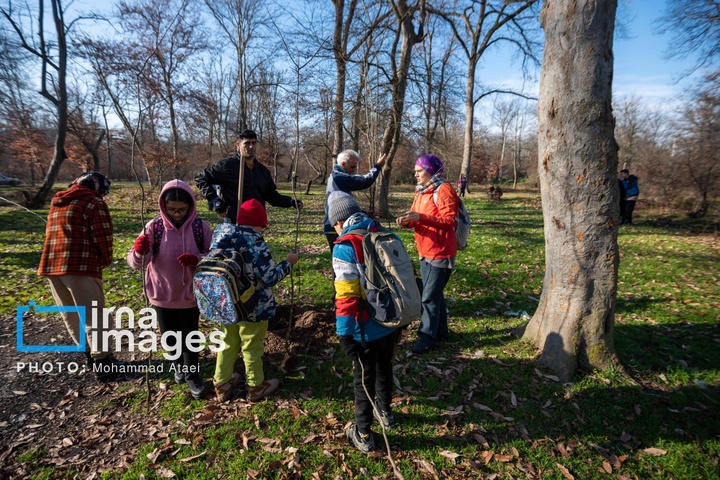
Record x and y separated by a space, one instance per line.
366 224
64 197
163 210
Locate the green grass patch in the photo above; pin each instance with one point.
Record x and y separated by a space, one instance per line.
478 406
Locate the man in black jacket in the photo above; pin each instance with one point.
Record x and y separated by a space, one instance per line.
257 181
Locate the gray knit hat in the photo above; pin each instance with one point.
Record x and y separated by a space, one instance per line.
341 206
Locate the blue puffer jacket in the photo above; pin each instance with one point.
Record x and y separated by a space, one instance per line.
265 270
631 186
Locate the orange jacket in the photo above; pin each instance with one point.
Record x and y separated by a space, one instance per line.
435 231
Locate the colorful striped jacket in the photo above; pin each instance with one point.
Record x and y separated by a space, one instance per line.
349 287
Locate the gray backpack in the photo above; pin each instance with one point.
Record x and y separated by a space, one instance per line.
393 297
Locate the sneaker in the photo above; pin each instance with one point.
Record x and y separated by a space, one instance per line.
179 376
364 442
265 389
223 391
387 419
197 387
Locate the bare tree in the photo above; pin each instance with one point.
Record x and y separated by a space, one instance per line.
165 33
696 25
629 118
345 44
52 55
407 37
434 78
699 147
504 114
241 21
479 25
577 161
83 123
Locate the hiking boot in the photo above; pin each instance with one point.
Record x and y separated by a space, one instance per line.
364 443
197 387
387 419
265 389
223 391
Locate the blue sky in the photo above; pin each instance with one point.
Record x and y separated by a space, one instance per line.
641 68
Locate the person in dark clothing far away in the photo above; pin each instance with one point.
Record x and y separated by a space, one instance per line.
219 182
632 191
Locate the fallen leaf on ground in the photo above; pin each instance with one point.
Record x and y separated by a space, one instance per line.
566 473
656 452
451 455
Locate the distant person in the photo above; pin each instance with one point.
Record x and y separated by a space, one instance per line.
632 191
432 215
344 178
78 246
462 184
623 194
257 181
170 246
249 336
364 341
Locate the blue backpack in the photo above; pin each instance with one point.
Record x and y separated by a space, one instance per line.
224 287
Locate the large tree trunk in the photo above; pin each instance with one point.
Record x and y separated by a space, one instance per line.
574 323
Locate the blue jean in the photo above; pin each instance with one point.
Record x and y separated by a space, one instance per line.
433 324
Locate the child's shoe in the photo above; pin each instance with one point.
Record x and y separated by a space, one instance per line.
223 391
387 419
265 389
197 387
364 443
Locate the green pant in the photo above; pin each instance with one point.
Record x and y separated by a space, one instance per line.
251 336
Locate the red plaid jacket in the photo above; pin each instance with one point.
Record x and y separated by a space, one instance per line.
78 236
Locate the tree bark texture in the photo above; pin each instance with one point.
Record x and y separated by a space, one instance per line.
574 323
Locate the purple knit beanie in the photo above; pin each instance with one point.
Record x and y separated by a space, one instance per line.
431 163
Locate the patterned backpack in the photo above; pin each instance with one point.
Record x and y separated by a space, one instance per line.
224 287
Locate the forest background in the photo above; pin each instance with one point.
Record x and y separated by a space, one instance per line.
156 90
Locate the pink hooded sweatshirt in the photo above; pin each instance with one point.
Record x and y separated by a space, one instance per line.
167 283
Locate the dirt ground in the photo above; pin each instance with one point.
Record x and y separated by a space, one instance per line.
49 402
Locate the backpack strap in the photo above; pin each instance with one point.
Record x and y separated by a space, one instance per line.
159 228
198 233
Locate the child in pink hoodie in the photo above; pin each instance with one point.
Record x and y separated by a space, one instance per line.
170 247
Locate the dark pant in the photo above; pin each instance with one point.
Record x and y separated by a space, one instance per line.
185 321
433 324
331 237
629 207
462 191
623 208
377 361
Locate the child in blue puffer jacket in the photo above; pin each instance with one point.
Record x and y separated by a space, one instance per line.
249 335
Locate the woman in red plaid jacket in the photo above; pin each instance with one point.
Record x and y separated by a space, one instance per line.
78 246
